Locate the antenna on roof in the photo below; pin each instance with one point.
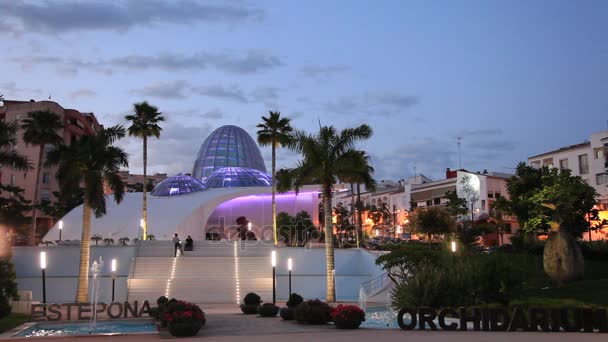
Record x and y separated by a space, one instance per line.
459 155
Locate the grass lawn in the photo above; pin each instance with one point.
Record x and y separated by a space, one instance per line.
9 322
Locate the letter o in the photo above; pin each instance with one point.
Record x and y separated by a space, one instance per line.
413 321
109 310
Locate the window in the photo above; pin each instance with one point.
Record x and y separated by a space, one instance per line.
483 205
599 153
563 164
601 178
429 203
548 162
436 201
535 164
490 195
45 195
497 195
46 178
583 164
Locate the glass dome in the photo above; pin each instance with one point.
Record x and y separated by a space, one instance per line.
227 146
177 185
228 177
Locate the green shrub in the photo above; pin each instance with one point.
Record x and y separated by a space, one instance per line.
403 263
252 299
313 312
294 300
162 300
595 250
8 286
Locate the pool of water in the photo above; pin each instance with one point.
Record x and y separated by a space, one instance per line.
83 328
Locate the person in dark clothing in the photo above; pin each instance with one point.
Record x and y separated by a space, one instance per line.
189 244
178 245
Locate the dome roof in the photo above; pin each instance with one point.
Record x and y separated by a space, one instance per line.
229 177
227 146
177 185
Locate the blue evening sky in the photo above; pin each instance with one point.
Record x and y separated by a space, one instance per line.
512 78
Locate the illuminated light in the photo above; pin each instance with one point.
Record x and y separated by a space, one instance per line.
113 267
398 229
377 232
43 260
453 246
273 258
60 224
237 289
289 264
141 222
249 226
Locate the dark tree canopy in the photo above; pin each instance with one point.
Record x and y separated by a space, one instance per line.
432 220
538 197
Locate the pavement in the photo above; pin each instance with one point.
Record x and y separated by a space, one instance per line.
226 323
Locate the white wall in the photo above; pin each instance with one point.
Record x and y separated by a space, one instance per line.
62 271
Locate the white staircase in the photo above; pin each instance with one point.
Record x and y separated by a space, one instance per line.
214 272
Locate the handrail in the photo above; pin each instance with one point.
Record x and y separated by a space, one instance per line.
374 286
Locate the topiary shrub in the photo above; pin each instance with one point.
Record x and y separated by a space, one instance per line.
251 303
162 300
294 300
268 310
313 312
287 314
8 286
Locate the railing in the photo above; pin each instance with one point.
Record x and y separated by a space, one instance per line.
374 286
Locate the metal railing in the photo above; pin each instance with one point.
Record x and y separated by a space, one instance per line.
374 286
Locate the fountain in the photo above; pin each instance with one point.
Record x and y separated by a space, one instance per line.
362 298
95 269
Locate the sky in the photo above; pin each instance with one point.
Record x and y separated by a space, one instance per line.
512 78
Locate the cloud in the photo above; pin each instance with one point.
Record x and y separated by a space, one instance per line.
213 114
82 93
232 92
166 90
231 62
69 16
10 90
371 103
266 95
323 72
173 153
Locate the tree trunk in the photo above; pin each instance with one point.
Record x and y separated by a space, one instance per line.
329 247
35 202
359 213
274 200
145 202
353 216
590 233
82 296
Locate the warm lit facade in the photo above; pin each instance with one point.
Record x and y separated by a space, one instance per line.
131 181
587 160
76 124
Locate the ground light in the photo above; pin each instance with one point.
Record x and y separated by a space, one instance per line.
249 226
43 268
113 266
289 266
60 228
454 252
273 261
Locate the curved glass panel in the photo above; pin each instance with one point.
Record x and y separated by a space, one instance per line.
177 185
228 177
227 146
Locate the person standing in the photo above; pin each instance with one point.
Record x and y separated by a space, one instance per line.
178 245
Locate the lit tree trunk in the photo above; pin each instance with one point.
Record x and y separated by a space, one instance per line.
359 212
352 208
329 247
82 296
36 187
274 200
145 202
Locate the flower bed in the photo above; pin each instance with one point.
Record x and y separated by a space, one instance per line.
184 319
347 316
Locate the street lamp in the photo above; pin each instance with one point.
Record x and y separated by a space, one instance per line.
273 261
60 228
289 266
454 252
249 226
43 267
113 266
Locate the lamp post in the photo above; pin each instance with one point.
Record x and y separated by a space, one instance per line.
43 267
454 252
249 226
273 260
60 228
113 277
289 265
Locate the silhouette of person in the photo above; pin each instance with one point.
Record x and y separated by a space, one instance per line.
178 245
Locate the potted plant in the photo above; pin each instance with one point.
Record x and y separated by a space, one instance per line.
251 303
184 319
347 316
288 313
268 310
313 312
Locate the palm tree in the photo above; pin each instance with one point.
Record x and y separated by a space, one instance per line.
8 153
40 129
93 161
327 157
123 241
144 124
274 131
360 173
96 238
108 241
